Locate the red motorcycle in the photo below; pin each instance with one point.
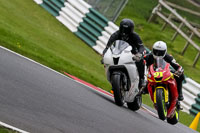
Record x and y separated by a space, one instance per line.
162 88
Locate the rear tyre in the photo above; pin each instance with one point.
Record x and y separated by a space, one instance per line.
160 103
118 90
136 104
174 119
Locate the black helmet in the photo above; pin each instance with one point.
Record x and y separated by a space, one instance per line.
126 27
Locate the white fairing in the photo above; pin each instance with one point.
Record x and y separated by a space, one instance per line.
122 50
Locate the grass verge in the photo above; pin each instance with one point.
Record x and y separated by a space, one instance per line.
5 130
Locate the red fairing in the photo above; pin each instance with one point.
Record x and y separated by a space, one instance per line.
174 96
169 82
166 72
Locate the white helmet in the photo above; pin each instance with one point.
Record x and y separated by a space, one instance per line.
159 49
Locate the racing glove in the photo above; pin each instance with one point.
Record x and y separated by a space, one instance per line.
179 72
137 57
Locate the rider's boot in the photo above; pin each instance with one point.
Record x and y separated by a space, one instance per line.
179 81
180 93
140 68
142 83
180 96
144 89
178 105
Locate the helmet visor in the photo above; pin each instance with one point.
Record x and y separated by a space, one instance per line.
159 52
125 29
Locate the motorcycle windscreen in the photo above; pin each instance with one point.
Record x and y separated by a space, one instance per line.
118 47
159 64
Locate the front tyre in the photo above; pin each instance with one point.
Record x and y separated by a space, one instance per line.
174 119
136 104
160 103
118 90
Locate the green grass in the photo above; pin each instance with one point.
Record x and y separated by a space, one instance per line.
28 29
186 4
5 130
33 32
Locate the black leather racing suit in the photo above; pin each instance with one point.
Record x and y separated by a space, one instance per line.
168 58
134 40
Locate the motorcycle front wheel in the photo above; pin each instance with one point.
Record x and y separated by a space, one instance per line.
174 119
117 86
160 104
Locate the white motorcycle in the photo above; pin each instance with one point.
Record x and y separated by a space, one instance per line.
122 73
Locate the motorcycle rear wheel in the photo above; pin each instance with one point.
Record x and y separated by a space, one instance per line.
160 103
118 89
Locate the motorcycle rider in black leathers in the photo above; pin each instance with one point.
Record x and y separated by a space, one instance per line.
126 33
160 51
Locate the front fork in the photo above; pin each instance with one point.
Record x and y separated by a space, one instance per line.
124 80
166 94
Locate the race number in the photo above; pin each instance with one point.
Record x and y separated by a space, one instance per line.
158 74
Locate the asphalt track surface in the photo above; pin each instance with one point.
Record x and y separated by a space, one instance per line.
39 100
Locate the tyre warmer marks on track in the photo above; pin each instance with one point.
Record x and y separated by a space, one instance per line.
104 92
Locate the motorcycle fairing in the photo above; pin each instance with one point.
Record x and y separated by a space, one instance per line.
125 63
163 76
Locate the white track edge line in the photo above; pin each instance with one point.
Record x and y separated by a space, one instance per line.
13 128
